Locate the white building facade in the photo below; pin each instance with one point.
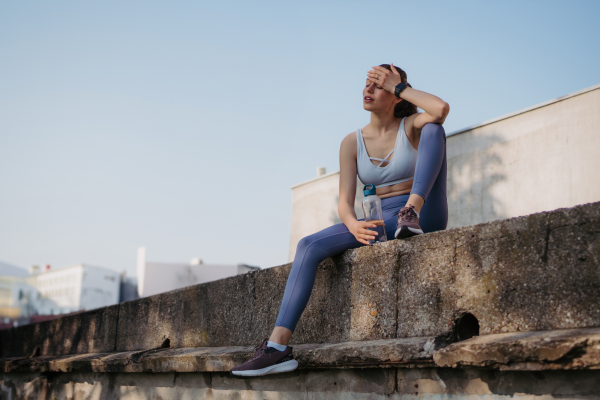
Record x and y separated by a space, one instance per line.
155 277
75 288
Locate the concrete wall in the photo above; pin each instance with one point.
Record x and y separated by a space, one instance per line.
538 159
530 273
356 384
383 321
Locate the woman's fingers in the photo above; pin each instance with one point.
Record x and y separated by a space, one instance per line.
381 69
373 74
381 74
369 234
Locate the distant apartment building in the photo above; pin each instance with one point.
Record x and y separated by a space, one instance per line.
56 291
157 277
76 287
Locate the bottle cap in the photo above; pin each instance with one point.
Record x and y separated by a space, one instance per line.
369 192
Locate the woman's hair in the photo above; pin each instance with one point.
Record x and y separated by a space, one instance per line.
404 108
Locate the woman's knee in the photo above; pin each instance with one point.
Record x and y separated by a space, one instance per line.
304 243
309 244
433 131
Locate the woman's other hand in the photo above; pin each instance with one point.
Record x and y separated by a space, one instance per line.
361 233
385 78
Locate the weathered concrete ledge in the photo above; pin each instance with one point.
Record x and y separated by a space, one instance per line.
409 352
539 272
533 351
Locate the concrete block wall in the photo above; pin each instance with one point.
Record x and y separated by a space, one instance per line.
530 273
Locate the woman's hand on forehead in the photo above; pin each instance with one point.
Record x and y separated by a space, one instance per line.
385 78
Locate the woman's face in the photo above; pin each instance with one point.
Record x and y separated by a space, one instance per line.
376 98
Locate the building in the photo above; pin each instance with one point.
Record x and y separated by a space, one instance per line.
16 292
537 159
74 288
55 291
155 277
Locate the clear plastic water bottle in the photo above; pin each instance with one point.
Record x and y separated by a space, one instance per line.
371 205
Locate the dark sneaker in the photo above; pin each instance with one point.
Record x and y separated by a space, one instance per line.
408 223
267 360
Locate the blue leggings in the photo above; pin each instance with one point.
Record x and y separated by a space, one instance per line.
429 182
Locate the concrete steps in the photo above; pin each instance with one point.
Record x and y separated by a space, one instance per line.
532 351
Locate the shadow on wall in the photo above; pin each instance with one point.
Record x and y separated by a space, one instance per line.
472 177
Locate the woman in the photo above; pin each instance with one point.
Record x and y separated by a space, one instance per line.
403 153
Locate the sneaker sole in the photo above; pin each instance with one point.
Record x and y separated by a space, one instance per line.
405 232
273 369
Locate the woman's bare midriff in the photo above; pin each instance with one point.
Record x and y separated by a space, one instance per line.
394 190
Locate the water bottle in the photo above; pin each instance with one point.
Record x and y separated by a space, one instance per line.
371 205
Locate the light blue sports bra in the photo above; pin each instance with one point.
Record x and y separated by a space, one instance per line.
400 168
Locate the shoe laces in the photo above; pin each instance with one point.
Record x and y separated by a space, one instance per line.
408 214
259 350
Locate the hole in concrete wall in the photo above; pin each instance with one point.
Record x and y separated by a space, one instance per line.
167 343
467 326
36 352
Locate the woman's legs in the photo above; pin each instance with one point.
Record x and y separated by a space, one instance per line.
429 184
310 252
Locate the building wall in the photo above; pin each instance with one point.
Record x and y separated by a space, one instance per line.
99 287
15 297
155 277
75 288
60 290
537 159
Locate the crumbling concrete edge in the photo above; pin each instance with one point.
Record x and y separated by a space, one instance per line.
560 349
569 349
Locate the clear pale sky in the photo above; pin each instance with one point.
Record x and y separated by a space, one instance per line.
182 125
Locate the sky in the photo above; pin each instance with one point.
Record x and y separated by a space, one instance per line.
181 126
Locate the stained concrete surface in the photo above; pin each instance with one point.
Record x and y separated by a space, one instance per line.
529 273
395 307
390 383
540 350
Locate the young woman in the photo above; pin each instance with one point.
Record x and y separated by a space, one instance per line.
401 152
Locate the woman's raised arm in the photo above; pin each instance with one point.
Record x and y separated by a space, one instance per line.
436 109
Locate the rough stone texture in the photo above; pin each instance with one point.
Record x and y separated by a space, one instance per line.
373 353
327 316
374 294
357 384
533 351
538 272
212 314
240 310
530 273
88 332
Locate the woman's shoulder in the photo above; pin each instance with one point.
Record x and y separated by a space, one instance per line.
349 137
349 143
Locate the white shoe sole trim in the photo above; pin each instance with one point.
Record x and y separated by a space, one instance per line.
273 369
413 230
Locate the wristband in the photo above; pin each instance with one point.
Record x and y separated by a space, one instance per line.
399 88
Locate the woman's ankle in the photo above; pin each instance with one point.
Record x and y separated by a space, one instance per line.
281 335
